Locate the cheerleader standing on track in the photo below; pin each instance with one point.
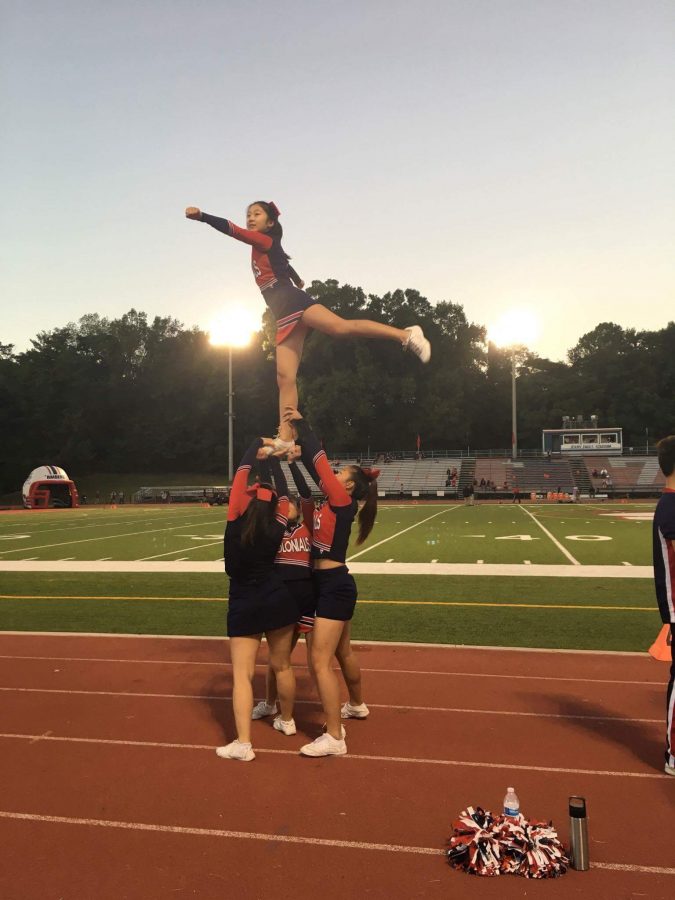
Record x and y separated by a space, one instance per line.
335 588
294 566
294 310
259 602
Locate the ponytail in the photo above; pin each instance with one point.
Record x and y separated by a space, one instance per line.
258 520
365 488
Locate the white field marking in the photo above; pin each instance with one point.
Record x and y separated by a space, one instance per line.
220 663
434 560
89 524
285 839
527 562
626 564
390 560
110 537
560 547
479 562
222 698
382 568
104 558
14 537
66 559
354 757
399 533
421 645
183 550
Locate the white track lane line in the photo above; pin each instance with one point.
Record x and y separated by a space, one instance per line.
111 537
560 547
434 709
220 663
398 533
354 757
285 839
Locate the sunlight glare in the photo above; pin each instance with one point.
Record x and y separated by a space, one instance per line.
234 327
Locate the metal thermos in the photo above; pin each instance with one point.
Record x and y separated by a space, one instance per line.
578 835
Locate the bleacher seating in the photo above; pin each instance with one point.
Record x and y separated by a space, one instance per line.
539 475
626 472
425 476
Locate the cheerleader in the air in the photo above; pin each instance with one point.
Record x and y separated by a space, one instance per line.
294 310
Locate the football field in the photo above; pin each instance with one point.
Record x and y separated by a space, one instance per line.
500 574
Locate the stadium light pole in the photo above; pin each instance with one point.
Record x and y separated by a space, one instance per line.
512 332
233 328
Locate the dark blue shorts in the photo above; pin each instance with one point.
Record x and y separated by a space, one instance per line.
257 608
336 593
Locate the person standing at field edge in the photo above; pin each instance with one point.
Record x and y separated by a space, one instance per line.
664 577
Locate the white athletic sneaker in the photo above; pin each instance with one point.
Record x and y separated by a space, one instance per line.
236 750
281 725
283 445
355 712
669 770
324 745
262 709
343 730
418 344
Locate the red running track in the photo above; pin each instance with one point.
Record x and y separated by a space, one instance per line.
111 788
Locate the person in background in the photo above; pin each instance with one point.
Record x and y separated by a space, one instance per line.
663 531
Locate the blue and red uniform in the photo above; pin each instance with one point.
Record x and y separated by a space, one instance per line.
258 599
293 559
273 274
335 587
664 582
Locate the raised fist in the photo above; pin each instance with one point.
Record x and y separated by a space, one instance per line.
192 212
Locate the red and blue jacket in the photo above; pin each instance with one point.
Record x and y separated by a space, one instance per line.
252 562
334 517
268 259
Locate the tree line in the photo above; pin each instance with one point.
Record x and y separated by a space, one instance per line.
122 395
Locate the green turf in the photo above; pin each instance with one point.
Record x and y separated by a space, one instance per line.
608 629
414 533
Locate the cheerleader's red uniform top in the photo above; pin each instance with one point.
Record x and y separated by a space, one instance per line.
253 563
333 518
273 274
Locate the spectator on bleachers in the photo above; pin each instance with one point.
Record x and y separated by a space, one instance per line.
468 495
603 473
594 473
482 482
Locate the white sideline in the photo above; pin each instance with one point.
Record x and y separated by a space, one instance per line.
353 757
284 839
221 698
396 568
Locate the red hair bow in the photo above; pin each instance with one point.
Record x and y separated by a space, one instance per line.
261 492
274 209
371 473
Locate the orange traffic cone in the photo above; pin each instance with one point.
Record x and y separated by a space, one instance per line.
661 648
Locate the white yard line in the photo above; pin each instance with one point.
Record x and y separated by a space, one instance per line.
560 547
398 533
182 550
222 698
110 537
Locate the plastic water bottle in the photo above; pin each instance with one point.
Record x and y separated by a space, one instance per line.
511 803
